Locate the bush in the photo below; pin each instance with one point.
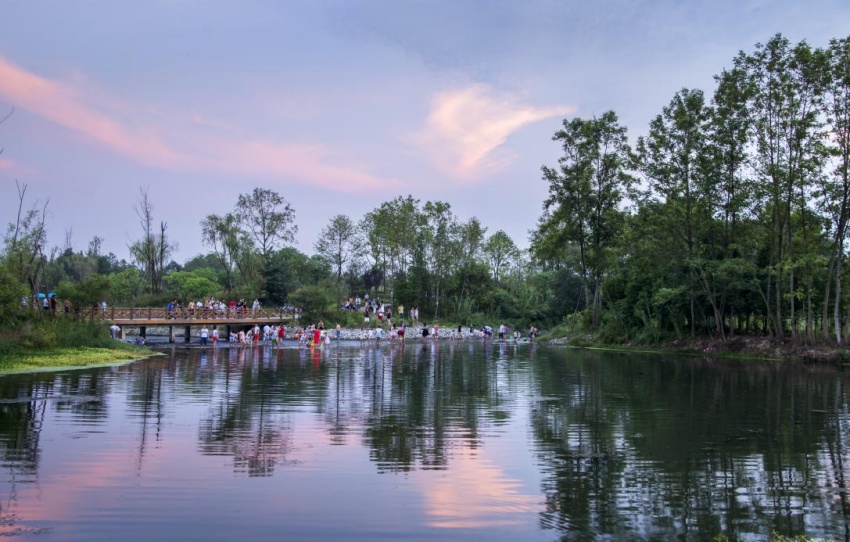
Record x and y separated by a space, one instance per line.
314 302
11 292
45 334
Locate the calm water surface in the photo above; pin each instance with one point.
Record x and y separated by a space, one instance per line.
437 442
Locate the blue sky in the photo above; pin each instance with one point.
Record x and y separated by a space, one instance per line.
339 105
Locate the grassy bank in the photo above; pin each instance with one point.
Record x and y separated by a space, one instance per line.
54 344
65 358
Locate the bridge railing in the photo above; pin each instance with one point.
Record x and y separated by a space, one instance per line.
182 313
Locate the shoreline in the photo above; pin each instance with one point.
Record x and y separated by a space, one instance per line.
735 348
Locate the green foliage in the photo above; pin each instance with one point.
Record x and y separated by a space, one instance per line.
289 270
126 286
38 334
315 303
268 218
12 290
585 193
86 293
194 285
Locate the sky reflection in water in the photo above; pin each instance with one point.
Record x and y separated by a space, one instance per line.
451 441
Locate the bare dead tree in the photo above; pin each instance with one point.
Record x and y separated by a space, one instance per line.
153 249
69 245
4 119
26 239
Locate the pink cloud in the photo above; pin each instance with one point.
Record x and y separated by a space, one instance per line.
12 169
466 129
191 147
61 104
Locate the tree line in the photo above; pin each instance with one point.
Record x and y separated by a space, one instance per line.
728 217
403 251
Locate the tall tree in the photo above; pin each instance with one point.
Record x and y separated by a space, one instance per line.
500 251
442 245
339 243
788 153
835 194
154 249
390 233
669 157
585 193
268 217
227 239
26 240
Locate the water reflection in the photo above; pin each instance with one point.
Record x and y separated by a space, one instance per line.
637 449
503 440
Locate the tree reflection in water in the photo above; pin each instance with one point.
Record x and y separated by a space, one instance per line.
625 447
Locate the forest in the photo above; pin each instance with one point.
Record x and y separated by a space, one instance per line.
727 217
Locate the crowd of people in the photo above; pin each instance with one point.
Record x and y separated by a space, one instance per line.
48 303
317 335
213 307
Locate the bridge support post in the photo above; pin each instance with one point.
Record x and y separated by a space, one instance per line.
120 334
187 334
143 331
171 334
227 332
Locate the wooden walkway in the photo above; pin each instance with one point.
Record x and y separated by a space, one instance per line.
144 317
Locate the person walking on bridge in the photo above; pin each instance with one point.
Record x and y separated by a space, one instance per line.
255 307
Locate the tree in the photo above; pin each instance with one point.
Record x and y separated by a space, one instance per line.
268 218
500 251
86 293
125 286
584 197
153 250
4 119
786 92
25 241
339 243
192 285
835 192
227 240
670 158
290 269
443 233
390 233
12 289
313 301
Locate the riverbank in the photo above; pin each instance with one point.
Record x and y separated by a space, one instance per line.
741 347
72 358
37 345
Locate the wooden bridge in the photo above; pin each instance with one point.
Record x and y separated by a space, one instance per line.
144 317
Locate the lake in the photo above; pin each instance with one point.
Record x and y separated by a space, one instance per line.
455 441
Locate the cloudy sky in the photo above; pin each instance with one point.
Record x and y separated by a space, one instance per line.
339 105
